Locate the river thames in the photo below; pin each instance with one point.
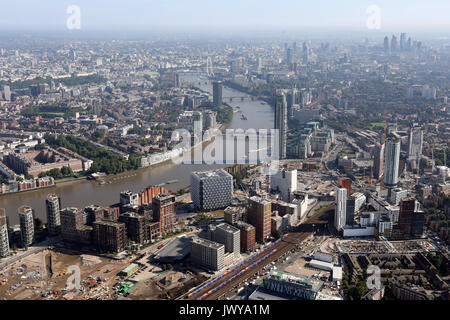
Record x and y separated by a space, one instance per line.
83 193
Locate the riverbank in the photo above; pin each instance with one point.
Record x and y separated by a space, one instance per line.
237 87
82 192
27 190
131 173
107 178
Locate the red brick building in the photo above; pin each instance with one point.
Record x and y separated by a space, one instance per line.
38 161
164 212
347 184
247 236
259 215
146 196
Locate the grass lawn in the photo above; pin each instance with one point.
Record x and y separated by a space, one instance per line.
376 124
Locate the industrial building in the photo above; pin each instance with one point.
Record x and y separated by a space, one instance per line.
358 231
322 265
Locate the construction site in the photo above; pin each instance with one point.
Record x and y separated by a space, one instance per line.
44 276
165 285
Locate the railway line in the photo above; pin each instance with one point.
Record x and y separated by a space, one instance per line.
219 286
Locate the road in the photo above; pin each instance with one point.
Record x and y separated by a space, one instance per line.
23 254
290 241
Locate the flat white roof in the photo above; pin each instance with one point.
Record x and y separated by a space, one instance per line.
321 264
337 273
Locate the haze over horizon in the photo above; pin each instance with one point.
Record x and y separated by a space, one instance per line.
230 15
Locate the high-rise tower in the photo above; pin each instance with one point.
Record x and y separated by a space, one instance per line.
53 207
281 123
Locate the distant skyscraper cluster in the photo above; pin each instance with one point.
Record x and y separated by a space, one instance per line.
404 45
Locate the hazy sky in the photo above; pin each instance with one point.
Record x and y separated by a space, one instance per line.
143 14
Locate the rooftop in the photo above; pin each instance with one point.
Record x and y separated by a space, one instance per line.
108 223
244 225
227 227
219 173
259 200
264 294
176 250
312 284
25 210
207 243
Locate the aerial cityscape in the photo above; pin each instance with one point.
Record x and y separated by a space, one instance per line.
287 165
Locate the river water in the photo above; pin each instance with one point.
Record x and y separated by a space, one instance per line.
83 193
